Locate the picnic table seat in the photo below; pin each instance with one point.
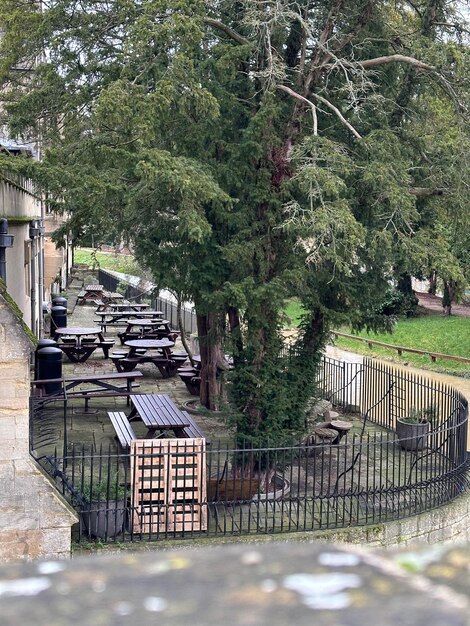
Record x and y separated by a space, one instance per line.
68 339
123 428
123 337
191 380
179 358
77 354
106 345
126 364
193 430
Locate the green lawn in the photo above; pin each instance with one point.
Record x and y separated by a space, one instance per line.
433 332
436 333
107 260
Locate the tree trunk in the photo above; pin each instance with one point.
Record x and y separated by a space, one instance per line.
235 332
448 296
179 317
432 283
209 329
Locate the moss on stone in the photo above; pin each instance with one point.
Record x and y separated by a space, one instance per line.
14 308
18 221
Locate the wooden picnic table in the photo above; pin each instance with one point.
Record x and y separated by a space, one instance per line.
124 304
90 292
77 350
156 351
162 345
115 318
105 384
159 413
153 328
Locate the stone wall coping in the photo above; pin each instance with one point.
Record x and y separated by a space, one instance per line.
274 584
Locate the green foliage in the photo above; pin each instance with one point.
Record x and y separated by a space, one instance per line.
102 491
108 260
396 303
420 416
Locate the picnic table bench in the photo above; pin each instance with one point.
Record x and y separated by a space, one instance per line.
79 343
193 430
153 351
124 430
105 385
123 304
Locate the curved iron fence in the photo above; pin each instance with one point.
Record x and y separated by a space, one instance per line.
184 490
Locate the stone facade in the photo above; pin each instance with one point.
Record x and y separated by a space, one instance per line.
34 520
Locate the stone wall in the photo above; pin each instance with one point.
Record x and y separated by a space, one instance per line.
34 520
447 524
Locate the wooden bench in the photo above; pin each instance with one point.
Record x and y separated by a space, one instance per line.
193 430
191 380
124 430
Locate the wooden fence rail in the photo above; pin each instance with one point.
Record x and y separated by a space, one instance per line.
401 349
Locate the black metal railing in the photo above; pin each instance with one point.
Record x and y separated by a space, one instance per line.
367 477
169 308
135 293
170 312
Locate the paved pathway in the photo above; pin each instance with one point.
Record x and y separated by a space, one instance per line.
434 303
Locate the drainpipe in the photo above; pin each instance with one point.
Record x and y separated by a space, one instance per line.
35 236
33 285
41 295
6 241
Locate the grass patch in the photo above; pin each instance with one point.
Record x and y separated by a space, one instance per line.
107 260
293 312
433 333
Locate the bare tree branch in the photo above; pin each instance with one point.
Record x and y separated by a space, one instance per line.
320 46
294 94
394 58
338 114
326 103
425 192
227 30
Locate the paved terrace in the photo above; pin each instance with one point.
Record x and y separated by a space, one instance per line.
94 427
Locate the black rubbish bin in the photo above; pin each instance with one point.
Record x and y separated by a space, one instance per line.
49 365
42 343
59 301
58 319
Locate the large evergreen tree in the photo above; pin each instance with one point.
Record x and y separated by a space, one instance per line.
251 151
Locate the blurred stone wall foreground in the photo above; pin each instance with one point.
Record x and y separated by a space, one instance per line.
34 520
245 584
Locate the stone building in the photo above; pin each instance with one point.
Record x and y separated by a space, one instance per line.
34 520
35 267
